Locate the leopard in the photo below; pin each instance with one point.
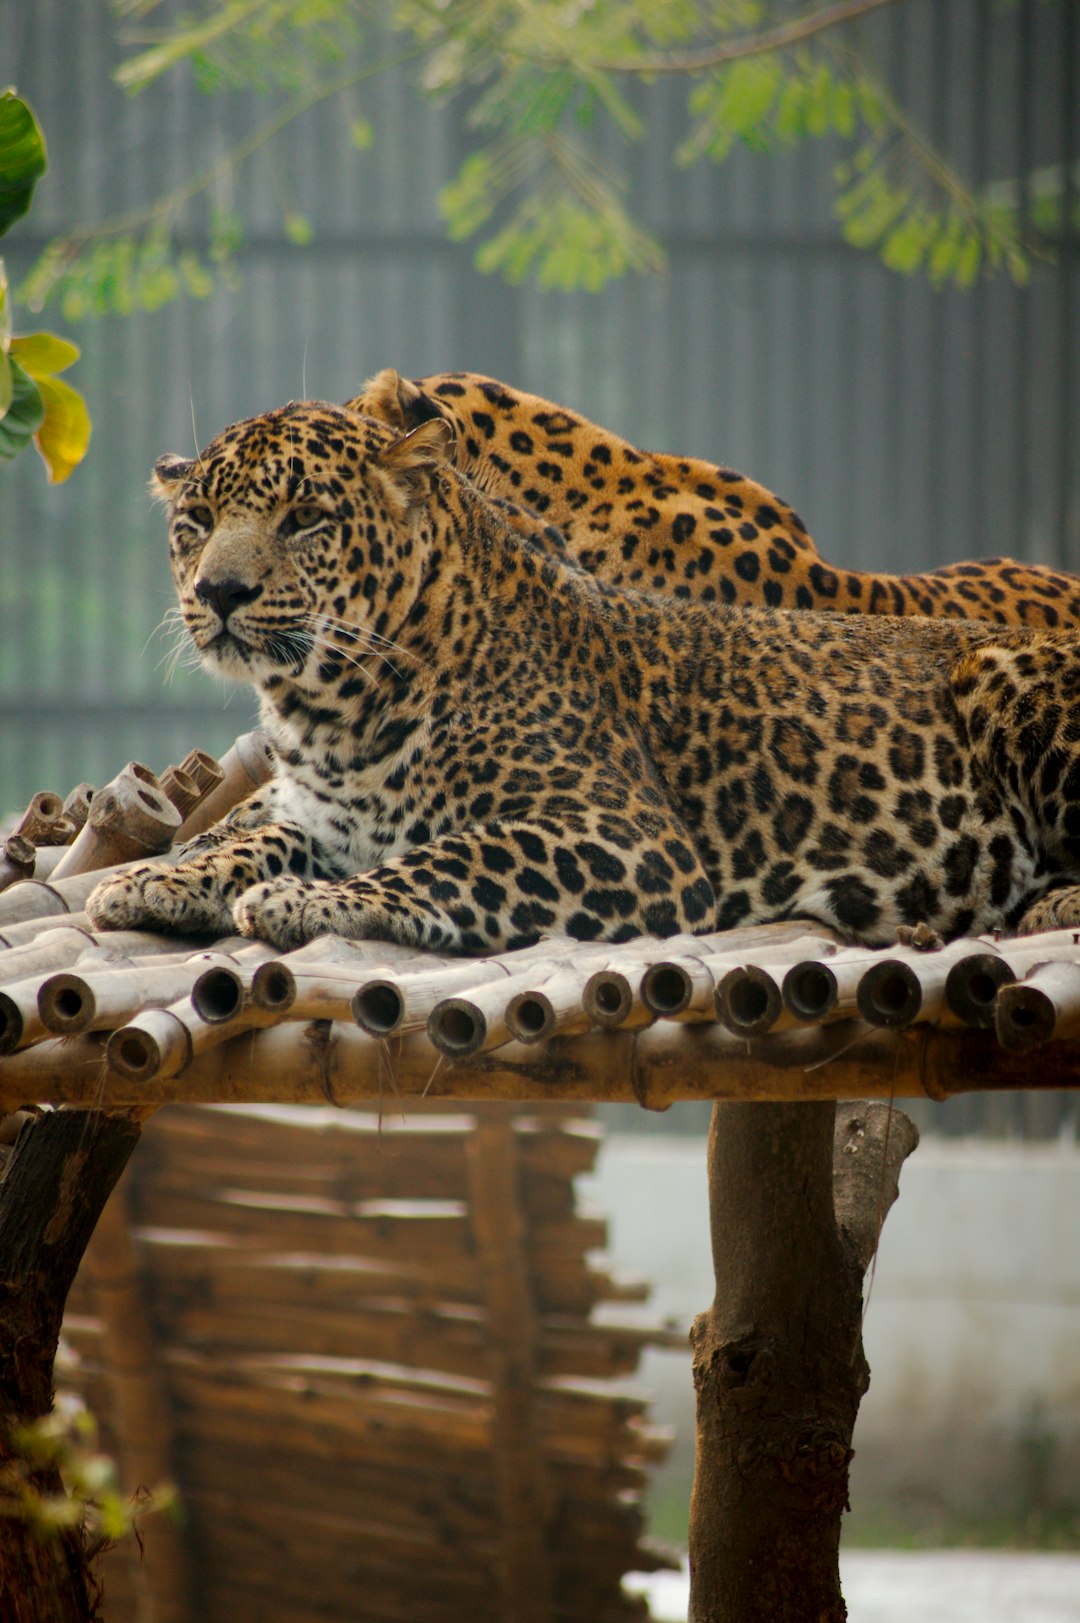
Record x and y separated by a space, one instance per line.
681 526
479 744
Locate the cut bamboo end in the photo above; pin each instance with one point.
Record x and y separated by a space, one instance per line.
11 1024
244 767
180 787
378 1008
158 1044
273 988
748 1001
889 994
1024 1018
77 804
66 1004
809 991
530 1017
972 986
666 989
217 995
41 816
607 999
457 1027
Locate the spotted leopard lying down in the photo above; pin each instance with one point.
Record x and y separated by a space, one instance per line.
478 743
678 525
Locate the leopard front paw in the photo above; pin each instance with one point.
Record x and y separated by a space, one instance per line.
288 912
153 896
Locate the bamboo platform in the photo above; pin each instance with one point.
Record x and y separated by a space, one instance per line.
133 1021
361 1335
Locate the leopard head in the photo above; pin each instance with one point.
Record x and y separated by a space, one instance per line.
298 536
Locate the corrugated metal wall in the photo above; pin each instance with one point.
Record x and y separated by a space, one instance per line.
909 426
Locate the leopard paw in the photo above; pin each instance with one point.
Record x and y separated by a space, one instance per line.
288 912
1057 910
153 896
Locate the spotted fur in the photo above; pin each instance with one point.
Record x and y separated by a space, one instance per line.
478 743
672 524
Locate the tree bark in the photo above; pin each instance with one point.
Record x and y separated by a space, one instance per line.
778 1361
59 1176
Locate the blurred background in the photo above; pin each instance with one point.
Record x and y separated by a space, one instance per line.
911 424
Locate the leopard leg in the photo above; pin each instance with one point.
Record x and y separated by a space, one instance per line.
497 886
196 896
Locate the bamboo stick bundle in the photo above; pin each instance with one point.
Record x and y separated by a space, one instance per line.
103 999
131 817
1043 1007
399 1004
890 987
34 902
684 987
473 1024
221 1003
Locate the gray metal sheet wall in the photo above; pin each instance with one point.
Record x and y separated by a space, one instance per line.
909 426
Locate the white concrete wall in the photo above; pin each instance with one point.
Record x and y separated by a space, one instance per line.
972 1328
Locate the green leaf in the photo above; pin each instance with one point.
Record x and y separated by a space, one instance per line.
64 434
362 133
24 415
22 158
298 229
7 383
42 354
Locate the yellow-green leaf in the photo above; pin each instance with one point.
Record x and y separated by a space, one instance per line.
42 354
65 433
7 384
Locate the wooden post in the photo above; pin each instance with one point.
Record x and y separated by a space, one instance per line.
61 1172
524 1495
778 1360
141 1412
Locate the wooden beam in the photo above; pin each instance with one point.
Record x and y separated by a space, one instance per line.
338 1064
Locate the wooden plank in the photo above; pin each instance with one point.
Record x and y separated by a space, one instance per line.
526 1580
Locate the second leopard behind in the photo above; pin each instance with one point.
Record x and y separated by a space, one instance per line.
681 526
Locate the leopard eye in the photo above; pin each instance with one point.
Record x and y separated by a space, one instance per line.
305 516
201 516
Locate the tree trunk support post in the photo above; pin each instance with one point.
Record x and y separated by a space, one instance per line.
797 1193
59 1176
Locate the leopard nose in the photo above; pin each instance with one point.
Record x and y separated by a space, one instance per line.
223 596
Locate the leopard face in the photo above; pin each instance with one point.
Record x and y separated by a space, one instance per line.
681 526
279 574
478 742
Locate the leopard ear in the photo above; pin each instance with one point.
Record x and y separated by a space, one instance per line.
413 459
394 400
169 471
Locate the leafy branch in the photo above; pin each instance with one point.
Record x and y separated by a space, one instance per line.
542 76
35 402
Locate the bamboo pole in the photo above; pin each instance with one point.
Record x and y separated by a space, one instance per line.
35 904
294 1064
